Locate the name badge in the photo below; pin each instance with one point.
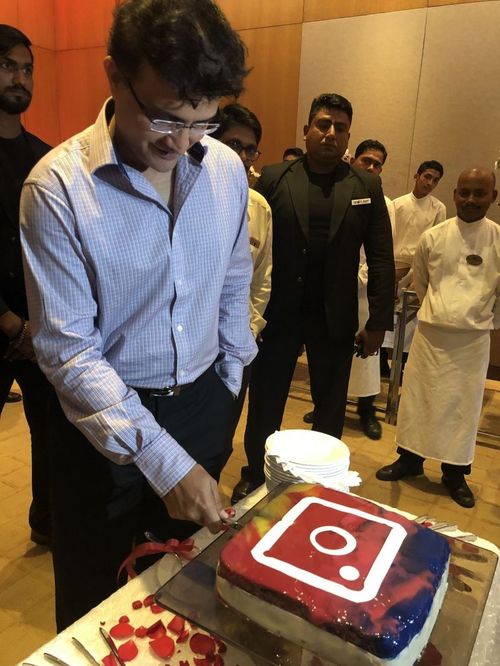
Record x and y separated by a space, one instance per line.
474 259
254 241
361 202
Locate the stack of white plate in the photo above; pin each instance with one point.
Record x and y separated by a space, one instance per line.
306 455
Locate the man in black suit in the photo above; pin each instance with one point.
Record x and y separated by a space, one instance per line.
323 211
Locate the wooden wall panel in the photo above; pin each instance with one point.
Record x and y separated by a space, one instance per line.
83 88
376 65
319 10
82 23
438 3
273 86
246 14
37 20
457 118
9 14
42 117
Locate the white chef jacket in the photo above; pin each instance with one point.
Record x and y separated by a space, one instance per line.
260 231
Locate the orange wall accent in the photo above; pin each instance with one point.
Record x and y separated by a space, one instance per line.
245 14
82 86
82 24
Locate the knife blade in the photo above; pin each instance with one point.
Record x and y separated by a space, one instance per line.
111 644
55 660
85 652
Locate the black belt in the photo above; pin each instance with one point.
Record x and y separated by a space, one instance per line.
166 392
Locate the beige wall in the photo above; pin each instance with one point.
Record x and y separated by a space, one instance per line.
421 81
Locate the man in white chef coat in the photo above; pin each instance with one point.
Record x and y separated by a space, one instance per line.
457 279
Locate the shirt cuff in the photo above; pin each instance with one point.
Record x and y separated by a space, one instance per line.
164 463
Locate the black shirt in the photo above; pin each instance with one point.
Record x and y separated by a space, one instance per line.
17 157
321 199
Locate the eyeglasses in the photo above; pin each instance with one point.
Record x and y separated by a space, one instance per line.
250 151
12 67
173 127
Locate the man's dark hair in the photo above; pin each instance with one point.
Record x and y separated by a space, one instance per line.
330 101
431 164
371 144
236 114
10 37
187 42
295 151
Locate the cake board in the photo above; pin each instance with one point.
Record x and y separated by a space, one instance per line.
191 593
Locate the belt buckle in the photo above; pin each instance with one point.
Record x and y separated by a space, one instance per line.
166 392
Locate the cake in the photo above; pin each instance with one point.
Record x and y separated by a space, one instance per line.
349 580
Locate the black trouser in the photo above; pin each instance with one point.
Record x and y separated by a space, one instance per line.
453 472
36 390
101 509
272 371
365 406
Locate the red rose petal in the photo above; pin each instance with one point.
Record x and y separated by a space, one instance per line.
109 660
137 604
183 637
220 644
156 630
176 625
163 647
149 600
128 651
122 630
124 619
218 661
202 644
141 632
201 661
156 609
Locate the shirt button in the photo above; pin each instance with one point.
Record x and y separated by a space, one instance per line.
180 328
299 279
180 283
182 373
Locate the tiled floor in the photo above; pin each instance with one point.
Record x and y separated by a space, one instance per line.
26 594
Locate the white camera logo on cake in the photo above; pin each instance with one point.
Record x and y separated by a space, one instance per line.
353 564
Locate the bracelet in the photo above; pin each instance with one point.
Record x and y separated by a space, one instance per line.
18 340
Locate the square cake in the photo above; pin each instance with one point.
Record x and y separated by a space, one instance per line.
342 576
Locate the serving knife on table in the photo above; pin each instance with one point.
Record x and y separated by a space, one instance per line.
84 651
111 644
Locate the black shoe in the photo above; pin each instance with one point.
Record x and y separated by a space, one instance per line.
40 539
308 418
371 427
459 492
398 470
13 397
242 489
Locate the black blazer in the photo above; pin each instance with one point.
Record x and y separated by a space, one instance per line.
353 223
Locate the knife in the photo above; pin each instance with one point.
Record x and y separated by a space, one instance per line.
84 651
55 659
111 644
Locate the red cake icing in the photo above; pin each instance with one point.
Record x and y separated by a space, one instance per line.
342 563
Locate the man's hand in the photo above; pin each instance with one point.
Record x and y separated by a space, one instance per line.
196 497
24 351
369 341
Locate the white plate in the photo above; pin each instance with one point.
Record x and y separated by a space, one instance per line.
306 447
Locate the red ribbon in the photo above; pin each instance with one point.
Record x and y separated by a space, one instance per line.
183 549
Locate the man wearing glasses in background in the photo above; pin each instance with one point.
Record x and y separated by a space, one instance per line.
240 129
138 270
19 152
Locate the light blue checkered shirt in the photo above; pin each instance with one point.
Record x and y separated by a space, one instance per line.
123 292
